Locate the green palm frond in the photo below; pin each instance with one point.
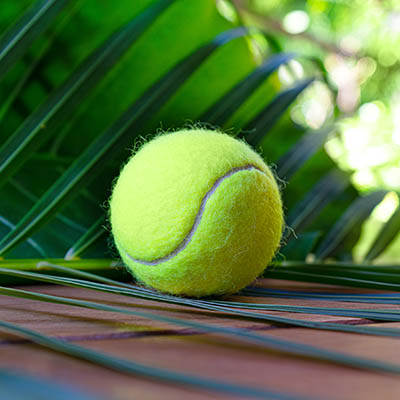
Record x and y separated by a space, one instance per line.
91 162
44 122
76 98
301 151
91 236
348 226
385 236
19 386
323 192
343 274
226 307
79 183
202 304
16 41
266 119
132 368
219 113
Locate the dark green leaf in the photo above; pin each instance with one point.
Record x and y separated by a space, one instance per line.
14 206
220 112
16 90
385 236
133 368
15 386
273 42
238 333
316 199
350 221
32 64
92 235
331 278
300 247
118 136
308 145
56 109
31 242
200 304
267 118
35 21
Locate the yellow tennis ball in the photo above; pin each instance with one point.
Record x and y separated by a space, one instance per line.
196 213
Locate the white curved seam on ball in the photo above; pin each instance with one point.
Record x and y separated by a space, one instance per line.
186 240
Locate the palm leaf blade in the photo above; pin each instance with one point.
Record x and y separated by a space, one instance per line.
205 305
220 112
56 109
94 233
266 119
351 219
35 21
267 341
386 235
19 387
316 199
133 368
94 158
289 163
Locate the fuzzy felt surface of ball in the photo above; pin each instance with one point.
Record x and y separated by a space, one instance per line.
196 213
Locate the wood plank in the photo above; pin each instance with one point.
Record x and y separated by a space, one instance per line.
184 350
208 356
75 323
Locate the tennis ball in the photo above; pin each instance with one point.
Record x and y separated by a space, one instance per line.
196 213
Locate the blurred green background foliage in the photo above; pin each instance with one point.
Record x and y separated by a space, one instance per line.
358 43
347 117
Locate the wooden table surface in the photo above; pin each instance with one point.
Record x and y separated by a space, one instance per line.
188 351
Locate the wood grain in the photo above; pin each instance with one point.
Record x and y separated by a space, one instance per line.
189 351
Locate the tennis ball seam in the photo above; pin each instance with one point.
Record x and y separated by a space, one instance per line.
186 240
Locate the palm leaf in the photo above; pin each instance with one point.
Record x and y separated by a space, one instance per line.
64 229
244 335
93 159
316 199
375 298
265 120
307 146
132 368
43 122
31 223
342 274
91 236
30 135
31 242
18 39
301 247
350 221
16 386
220 112
385 236
207 305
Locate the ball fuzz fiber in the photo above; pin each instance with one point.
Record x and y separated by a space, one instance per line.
196 213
